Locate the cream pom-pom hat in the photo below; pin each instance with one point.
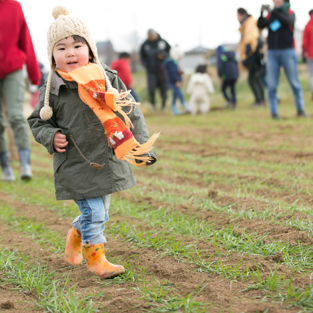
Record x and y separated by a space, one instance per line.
64 26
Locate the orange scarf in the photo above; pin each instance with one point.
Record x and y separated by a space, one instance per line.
91 90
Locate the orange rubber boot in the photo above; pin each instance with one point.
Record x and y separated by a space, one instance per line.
97 262
73 248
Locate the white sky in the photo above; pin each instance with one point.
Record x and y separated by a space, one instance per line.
187 23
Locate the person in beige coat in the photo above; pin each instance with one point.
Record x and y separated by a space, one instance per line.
200 84
250 55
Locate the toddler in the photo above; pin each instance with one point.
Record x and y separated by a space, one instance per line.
200 84
80 119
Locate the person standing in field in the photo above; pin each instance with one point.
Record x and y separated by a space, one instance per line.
174 78
16 49
250 56
121 65
153 52
227 68
281 52
84 117
199 85
307 48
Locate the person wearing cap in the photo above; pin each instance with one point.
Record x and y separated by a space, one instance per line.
16 49
307 47
86 118
281 52
153 52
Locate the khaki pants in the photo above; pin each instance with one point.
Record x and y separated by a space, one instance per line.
12 91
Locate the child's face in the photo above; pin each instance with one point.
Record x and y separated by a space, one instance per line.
70 54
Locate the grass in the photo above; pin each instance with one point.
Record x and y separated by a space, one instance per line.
221 151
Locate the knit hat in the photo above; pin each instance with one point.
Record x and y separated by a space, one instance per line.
64 26
176 53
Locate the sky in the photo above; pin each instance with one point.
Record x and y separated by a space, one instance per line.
187 23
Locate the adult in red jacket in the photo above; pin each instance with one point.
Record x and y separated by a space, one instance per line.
307 47
16 49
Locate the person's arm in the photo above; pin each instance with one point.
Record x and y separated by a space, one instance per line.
251 36
305 42
143 56
26 45
286 19
263 21
140 130
43 131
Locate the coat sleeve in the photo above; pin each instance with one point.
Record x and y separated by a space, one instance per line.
263 21
305 41
140 130
209 84
251 36
286 19
143 56
26 45
43 131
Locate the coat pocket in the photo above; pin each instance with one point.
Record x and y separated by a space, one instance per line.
58 160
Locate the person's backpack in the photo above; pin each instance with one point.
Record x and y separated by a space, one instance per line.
228 65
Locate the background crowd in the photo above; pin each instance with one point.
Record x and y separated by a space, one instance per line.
261 57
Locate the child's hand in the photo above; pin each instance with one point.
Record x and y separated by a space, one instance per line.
59 142
178 84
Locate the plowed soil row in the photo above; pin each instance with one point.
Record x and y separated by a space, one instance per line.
223 294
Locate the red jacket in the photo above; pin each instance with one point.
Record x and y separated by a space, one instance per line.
307 45
123 71
16 46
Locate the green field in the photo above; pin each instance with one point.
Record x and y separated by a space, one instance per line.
221 223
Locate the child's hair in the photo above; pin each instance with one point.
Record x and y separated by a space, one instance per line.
202 68
83 40
242 11
124 55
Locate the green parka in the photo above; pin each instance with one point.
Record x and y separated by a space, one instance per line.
74 178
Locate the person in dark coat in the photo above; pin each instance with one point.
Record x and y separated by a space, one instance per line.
227 67
153 52
281 52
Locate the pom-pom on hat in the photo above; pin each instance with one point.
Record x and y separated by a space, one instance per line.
64 26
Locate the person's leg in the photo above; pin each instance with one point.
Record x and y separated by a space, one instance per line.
233 92
272 77
152 84
290 64
162 83
193 104
205 104
94 213
252 83
181 99
90 223
224 86
175 95
134 94
14 91
310 66
259 86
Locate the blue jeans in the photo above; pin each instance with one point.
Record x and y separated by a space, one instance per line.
288 59
90 223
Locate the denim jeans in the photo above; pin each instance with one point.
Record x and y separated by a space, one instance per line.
177 94
90 223
288 59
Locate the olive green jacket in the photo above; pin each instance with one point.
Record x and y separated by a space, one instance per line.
74 178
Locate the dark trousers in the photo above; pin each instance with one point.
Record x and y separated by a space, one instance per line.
157 82
256 84
231 84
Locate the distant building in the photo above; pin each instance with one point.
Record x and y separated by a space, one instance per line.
196 56
106 52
